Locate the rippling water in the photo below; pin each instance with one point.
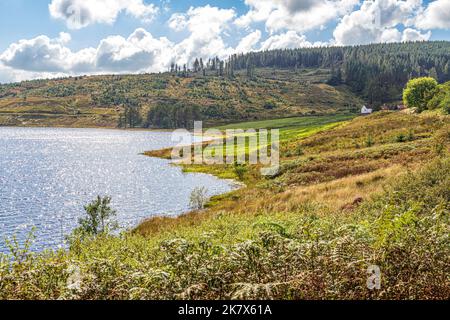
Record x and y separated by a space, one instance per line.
47 175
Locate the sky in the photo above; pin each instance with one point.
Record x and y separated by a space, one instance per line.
53 38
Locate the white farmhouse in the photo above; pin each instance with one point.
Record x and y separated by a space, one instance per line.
365 110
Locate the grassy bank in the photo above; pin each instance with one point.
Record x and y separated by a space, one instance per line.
291 129
370 191
359 156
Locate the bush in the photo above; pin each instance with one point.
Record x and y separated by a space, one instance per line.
419 92
369 141
410 136
441 99
240 171
401 137
199 198
440 140
99 218
299 150
446 108
269 105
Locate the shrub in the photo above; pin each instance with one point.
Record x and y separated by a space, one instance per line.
441 99
198 199
440 140
240 171
269 105
410 136
401 137
419 92
369 141
299 150
99 218
404 137
446 106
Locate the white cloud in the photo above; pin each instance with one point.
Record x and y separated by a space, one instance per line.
376 21
80 13
249 42
138 53
293 14
260 10
290 40
436 16
206 21
389 35
8 75
38 54
178 22
64 37
410 34
206 26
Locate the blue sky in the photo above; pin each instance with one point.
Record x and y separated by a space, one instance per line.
48 38
26 19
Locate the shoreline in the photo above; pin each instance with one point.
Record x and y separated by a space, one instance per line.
87 127
236 186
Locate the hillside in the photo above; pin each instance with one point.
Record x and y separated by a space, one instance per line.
376 72
108 101
351 193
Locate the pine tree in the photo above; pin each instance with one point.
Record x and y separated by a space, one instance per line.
447 71
433 73
196 65
250 68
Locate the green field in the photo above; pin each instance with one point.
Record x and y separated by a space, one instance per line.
296 127
291 129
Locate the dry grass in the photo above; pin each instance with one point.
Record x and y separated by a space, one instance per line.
326 174
333 195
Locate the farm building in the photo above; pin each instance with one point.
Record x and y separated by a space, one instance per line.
365 110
